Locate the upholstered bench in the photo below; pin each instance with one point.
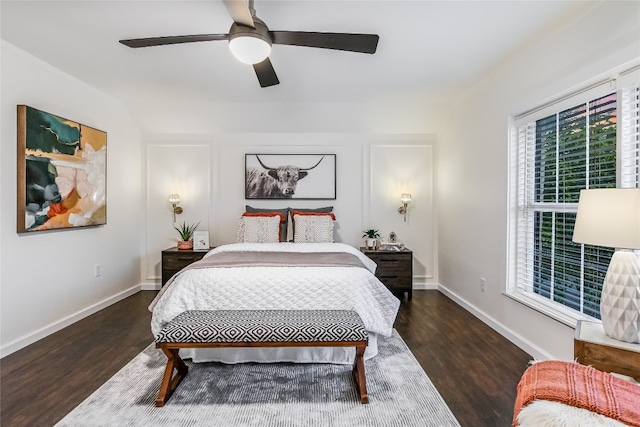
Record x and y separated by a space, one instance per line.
260 328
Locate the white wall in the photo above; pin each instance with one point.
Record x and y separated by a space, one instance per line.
47 279
472 163
397 168
371 172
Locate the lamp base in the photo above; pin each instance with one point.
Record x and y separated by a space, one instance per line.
620 300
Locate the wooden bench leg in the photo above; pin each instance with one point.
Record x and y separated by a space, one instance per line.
169 381
359 375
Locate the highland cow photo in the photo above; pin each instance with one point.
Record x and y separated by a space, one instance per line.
290 176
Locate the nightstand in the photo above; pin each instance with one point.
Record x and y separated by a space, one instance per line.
395 269
174 260
591 346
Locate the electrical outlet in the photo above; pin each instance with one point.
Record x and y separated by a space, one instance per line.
97 270
483 283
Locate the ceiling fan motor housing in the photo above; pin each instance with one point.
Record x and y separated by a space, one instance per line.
261 31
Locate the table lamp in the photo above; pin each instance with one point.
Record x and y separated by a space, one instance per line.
611 217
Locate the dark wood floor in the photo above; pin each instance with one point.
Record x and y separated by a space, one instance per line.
475 369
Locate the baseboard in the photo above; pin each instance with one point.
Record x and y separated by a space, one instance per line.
536 352
150 286
66 321
424 283
425 286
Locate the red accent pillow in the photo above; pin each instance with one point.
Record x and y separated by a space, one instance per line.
282 218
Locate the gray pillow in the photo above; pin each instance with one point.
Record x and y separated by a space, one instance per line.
283 224
319 210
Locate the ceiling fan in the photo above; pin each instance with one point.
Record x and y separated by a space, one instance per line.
250 40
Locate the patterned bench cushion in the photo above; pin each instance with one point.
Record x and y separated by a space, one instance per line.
256 326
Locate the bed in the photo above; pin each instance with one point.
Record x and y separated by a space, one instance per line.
253 276
556 393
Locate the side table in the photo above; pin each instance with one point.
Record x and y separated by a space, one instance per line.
395 269
174 260
591 346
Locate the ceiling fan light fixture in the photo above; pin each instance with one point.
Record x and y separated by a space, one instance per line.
250 50
250 45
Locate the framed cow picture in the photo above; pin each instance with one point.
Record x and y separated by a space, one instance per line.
290 176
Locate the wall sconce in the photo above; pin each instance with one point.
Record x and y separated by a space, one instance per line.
405 199
174 199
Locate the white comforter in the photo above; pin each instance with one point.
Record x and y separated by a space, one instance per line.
263 288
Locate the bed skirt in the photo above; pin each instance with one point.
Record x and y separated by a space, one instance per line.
338 355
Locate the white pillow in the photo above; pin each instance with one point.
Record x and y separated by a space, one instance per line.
313 229
259 229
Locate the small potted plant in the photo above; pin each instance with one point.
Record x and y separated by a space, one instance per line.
186 235
372 236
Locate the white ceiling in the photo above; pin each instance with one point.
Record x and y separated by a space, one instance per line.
428 50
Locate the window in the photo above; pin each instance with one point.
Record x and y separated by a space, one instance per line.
586 140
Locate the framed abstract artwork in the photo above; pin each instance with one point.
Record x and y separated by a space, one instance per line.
62 173
290 176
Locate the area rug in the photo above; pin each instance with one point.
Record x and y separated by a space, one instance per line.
212 394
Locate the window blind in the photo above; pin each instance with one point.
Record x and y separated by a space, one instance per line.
559 155
630 137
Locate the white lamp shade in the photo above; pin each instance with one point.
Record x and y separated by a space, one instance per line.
405 198
609 217
250 50
174 198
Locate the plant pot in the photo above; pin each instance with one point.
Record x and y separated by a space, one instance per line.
372 243
185 245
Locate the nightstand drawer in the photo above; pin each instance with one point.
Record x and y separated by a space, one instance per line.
397 265
395 269
395 283
174 260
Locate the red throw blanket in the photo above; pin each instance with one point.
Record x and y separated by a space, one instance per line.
581 386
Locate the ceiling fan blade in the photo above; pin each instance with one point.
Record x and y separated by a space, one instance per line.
266 74
239 12
363 43
160 41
